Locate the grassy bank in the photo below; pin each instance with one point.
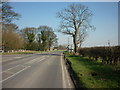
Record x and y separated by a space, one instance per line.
92 74
26 52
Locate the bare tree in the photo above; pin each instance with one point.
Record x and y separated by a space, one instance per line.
11 40
8 15
75 18
81 37
12 27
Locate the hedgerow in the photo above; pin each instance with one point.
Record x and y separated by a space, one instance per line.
108 55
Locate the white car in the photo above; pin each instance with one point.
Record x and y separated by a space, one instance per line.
1 51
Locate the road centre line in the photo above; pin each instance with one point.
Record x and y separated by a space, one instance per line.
15 74
63 74
13 67
9 72
18 71
41 59
32 61
10 69
16 58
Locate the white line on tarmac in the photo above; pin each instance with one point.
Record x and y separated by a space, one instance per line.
9 72
18 71
41 59
63 74
14 74
32 61
67 77
17 57
16 66
10 68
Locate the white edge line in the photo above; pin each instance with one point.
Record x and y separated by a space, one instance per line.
67 77
14 74
63 74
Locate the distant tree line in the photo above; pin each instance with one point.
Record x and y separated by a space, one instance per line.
41 38
61 47
29 38
108 55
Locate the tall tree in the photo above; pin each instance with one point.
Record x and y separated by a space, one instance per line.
52 38
12 27
81 37
0 25
29 36
48 37
73 19
10 39
44 39
8 15
39 43
0 12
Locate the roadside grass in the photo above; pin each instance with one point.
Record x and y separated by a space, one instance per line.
92 74
26 52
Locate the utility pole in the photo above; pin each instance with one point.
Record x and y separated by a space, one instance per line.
68 44
109 43
71 48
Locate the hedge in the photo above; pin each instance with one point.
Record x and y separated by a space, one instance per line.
108 55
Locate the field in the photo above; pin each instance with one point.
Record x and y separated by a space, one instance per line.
94 74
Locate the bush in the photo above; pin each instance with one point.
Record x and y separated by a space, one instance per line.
108 55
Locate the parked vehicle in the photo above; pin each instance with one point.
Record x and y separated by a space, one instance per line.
1 51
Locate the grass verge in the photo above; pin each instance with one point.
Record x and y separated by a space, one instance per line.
26 52
92 74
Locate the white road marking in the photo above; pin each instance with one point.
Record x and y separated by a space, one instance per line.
14 74
32 61
10 69
18 65
63 74
41 60
36 59
9 72
67 77
17 57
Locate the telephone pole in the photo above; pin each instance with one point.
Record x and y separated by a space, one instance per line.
109 43
68 44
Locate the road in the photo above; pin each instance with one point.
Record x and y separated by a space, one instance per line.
47 70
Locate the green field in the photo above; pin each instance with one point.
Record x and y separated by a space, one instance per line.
92 74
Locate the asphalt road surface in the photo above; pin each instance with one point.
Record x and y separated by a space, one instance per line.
47 70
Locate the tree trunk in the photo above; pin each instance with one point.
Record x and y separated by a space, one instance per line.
75 44
49 48
75 40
